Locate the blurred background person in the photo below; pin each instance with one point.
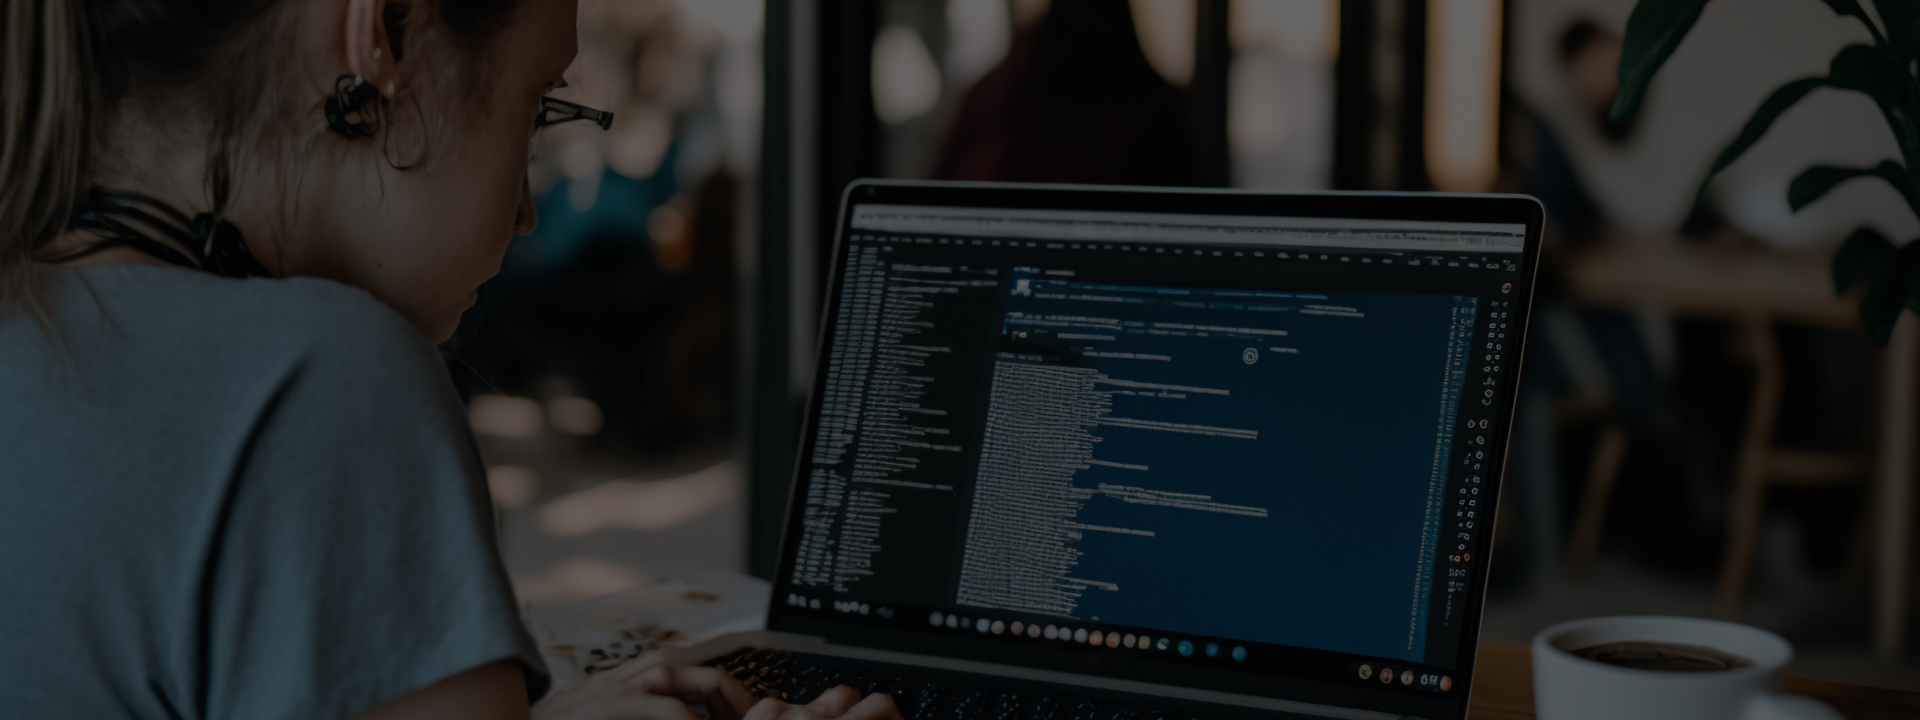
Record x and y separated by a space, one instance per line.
1074 101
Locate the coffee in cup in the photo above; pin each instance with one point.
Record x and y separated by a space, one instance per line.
1654 655
1663 668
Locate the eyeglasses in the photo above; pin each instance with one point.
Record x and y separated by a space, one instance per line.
555 112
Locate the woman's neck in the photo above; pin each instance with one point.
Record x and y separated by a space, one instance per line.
159 161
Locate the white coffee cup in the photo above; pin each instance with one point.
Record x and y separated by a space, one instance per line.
1569 687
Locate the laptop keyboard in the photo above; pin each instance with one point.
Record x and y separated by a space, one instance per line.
931 694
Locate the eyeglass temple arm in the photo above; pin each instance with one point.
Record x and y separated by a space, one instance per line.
576 111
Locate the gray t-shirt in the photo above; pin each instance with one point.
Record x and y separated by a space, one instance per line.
245 499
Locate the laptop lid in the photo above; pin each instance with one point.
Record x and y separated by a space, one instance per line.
1225 440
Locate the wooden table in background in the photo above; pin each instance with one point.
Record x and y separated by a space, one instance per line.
1755 289
1503 690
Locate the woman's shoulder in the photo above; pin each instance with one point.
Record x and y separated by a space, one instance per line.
313 318
290 367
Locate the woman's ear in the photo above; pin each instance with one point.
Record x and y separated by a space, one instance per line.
374 38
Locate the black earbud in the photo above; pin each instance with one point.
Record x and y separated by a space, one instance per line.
352 96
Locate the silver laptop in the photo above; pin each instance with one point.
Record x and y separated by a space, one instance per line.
1087 452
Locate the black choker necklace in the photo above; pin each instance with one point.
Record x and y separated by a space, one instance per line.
119 218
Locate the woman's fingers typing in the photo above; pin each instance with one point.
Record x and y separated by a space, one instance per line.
658 691
841 703
650 691
725 697
835 701
874 707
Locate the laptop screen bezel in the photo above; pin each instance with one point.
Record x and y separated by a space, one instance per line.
1429 207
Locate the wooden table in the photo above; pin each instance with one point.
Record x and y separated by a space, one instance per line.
1755 289
1503 690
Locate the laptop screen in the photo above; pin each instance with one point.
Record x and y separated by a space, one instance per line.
1258 443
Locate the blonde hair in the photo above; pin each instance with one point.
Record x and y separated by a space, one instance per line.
48 93
63 62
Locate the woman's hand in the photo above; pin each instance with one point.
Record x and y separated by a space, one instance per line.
646 691
841 702
654 691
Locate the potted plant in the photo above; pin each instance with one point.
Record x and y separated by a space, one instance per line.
1884 71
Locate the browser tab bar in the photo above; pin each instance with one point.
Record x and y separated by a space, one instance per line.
1179 228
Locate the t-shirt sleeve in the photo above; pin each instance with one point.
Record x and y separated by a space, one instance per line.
357 559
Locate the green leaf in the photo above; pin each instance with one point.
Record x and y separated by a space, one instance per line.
1757 125
1882 306
1913 292
1865 253
1653 31
1852 7
1865 69
1819 179
1902 18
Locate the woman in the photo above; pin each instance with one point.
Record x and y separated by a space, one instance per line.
236 481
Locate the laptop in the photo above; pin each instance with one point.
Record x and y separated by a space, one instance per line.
1099 452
